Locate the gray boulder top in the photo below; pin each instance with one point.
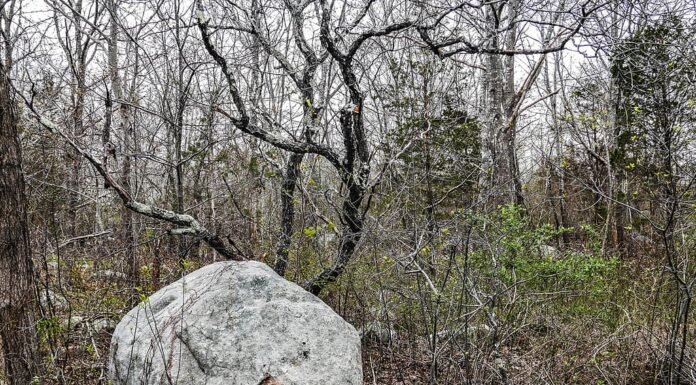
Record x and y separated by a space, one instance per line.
234 323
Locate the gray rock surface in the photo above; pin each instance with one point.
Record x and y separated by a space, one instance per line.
103 324
109 274
234 323
57 300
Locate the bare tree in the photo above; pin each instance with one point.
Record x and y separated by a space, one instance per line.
18 341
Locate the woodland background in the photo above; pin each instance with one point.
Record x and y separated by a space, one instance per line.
490 192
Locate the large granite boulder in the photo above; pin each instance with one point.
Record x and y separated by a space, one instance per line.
234 323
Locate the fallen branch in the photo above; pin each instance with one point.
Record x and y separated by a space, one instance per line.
186 221
81 237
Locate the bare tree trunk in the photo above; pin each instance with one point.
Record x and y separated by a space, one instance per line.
181 92
350 236
562 215
17 286
511 99
78 64
287 191
312 117
613 235
503 108
292 174
7 13
70 37
497 168
125 127
499 135
128 228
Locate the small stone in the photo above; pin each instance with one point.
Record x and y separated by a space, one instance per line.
58 301
103 324
73 322
110 275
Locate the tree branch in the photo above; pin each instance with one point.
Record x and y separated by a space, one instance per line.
183 220
243 123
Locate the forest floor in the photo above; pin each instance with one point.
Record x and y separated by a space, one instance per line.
82 301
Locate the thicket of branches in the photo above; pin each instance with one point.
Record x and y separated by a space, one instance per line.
491 192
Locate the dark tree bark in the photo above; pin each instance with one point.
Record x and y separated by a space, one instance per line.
17 294
287 192
78 65
354 166
292 170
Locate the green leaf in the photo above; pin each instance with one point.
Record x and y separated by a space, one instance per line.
310 231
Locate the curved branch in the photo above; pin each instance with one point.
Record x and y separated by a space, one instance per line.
471 48
243 123
184 220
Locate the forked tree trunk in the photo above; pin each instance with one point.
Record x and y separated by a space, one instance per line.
17 332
